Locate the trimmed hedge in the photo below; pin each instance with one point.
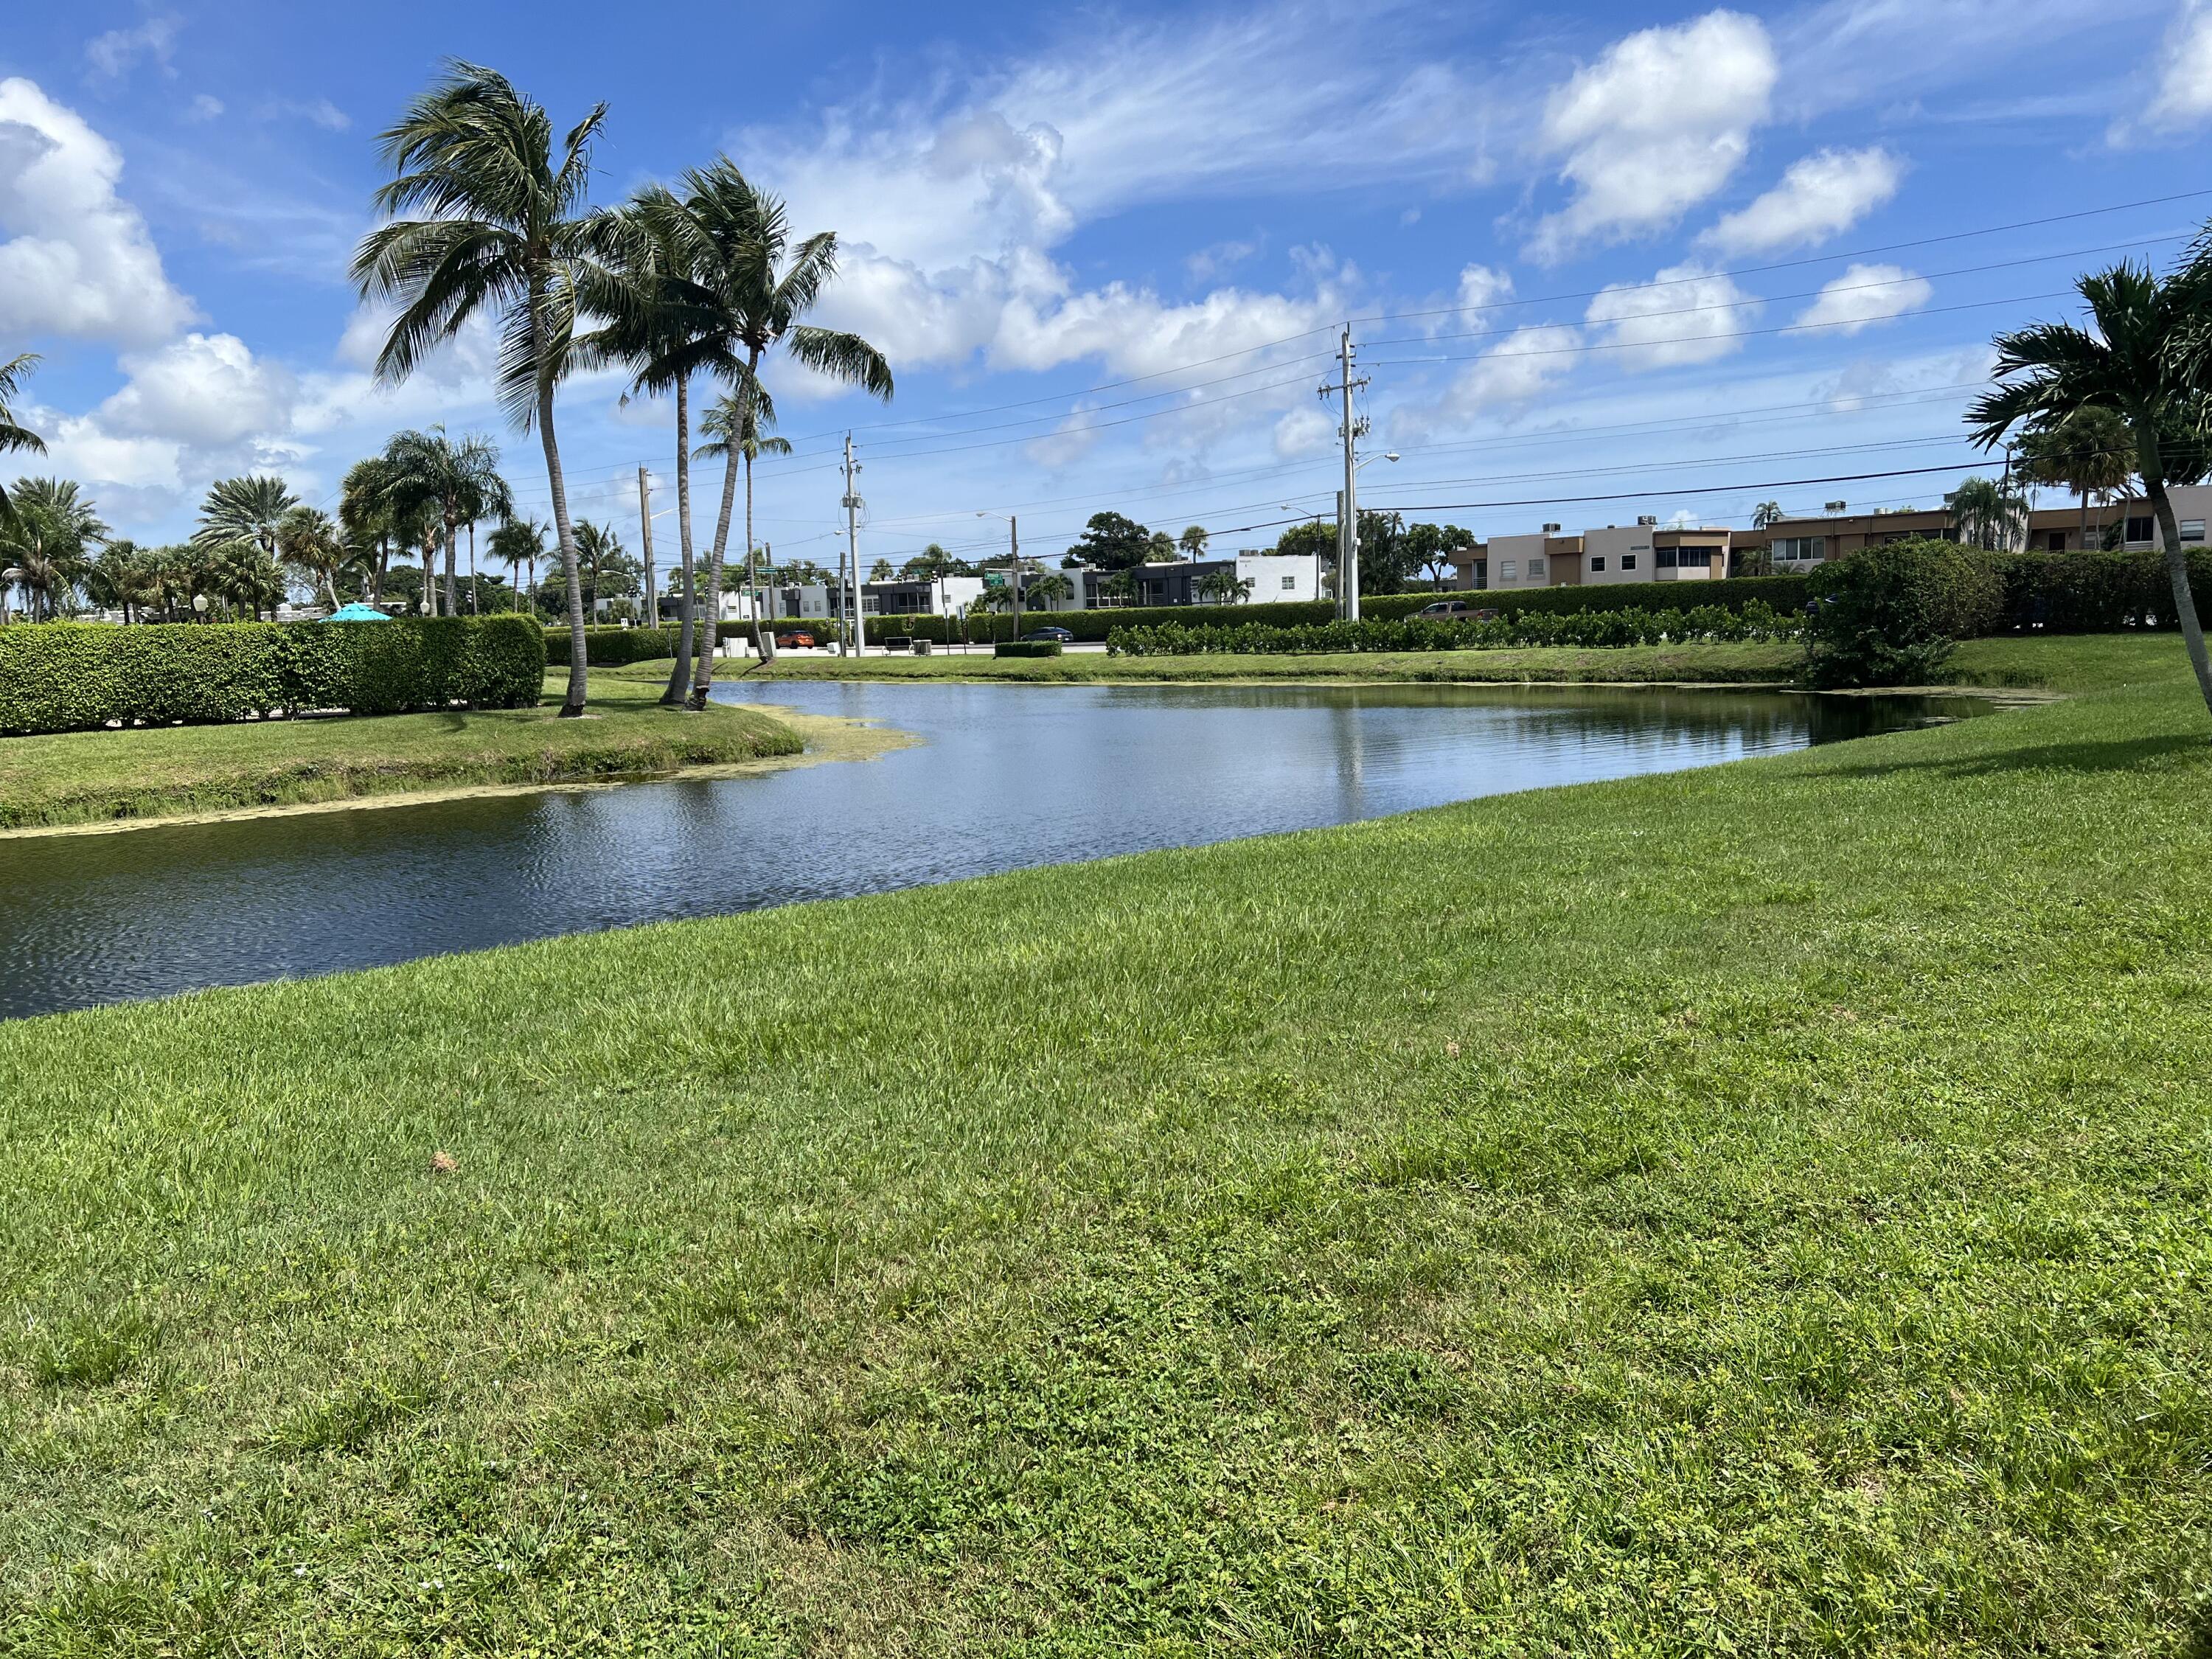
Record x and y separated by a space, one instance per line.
1891 614
1585 628
1026 649
611 647
1784 594
2091 593
77 676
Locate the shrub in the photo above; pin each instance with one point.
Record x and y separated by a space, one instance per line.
1890 614
611 647
1026 649
1583 628
70 677
2091 593
1783 594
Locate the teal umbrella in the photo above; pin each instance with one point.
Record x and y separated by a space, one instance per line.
357 612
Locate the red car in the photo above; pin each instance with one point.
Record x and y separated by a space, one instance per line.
792 640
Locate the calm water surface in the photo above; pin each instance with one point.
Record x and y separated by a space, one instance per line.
1005 776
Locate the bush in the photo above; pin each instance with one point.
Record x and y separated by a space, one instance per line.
1891 615
1783 594
2091 593
1026 649
70 677
1583 628
611 647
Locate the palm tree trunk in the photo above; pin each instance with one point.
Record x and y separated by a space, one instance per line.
475 588
453 547
572 706
679 674
2177 571
703 674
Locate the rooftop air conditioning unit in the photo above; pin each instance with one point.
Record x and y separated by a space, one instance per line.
1835 506
1646 521
1551 529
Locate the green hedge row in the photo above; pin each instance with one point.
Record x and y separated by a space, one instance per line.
1784 594
1026 649
77 676
2091 593
1754 621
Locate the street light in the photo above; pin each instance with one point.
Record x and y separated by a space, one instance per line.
1347 582
1014 551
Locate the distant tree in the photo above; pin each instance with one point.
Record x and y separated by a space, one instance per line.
246 575
245 510
2149 361
312 546
1429 549
1120 587
1047 590
1162 549
1192 541
120 578
2088 453
881 571
49 534
1110 542
1766 515
13 435
519 545
1223 585
1306 539
1386 560
1988 514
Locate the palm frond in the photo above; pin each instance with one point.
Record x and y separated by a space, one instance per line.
843 357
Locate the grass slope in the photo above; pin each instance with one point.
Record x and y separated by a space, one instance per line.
86 777
1530 1226
2061 663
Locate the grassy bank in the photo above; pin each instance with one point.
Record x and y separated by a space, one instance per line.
2064 662
1486 1231
88 777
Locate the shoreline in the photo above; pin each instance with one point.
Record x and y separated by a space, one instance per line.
829 738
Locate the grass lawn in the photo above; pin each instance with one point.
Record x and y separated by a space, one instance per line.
83 777
1766 1209
2073 662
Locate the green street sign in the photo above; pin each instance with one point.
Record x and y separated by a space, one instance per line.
995 579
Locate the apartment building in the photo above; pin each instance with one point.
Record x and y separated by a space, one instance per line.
1800 543
1516 563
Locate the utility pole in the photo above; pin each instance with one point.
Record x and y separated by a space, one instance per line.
1014 545
645 536
1347 504
852 547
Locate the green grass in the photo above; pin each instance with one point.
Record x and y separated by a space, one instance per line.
1767 1209
2069 662
86 777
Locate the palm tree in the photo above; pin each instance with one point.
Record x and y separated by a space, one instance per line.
1122 585
1766 515
49 533
761 288
13 435
369 514
1192 541
595 543
244 509
121 577
1988 514
2148 363
2088 453
517 543
736 427
241 573
311 544
1223 585
458 481
506 232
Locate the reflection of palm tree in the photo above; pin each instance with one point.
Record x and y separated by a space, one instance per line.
506 232
2136 363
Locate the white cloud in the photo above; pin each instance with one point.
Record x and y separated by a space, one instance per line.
1866 295
78 260
319 111
1483 286
1514 371
1067 444
118 51
1208 262
1304 431
1821 196
1654 127
204 390
1683 315
205 106
2184 97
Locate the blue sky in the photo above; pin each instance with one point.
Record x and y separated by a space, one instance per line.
1586 251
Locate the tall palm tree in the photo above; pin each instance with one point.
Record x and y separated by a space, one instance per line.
244 509
763 288
460 483
737 427
246 575
13 435
2137 363
595 545
508 234
369 516
1988 514
49 533
120 578
520 542
311 544
1766 515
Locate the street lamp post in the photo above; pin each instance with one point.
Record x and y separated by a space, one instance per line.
1014 552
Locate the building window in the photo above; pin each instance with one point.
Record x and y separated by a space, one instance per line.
1628 561
1536 570
1663 559
2193 530
1508 571
1697 558
2057 542
1597 564
1801 547
2139 530
1289 583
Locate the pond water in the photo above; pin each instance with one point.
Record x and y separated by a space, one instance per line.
1004 776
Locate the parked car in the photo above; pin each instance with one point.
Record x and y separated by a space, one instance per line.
1060 633
1446 611
792 639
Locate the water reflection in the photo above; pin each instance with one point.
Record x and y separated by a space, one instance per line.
1005 776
